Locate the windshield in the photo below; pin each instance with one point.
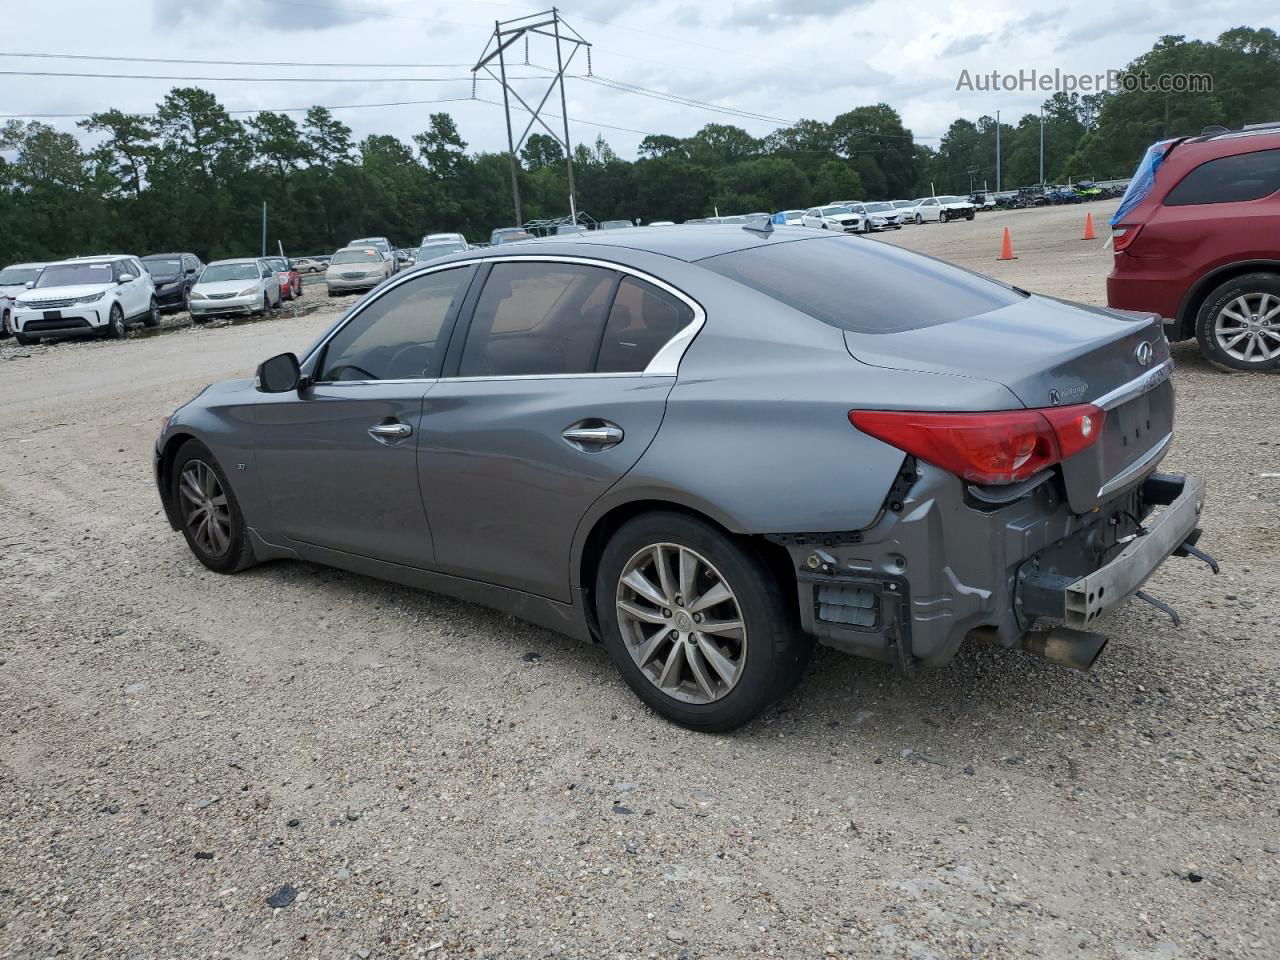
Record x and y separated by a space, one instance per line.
862 287
879 207
218 272
429 251
18 276
363 255
835 211
903 203
952 200
163 266
70 274
616 224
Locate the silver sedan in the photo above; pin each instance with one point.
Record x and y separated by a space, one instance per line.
709 449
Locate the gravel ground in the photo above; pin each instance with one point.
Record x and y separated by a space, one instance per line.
299 762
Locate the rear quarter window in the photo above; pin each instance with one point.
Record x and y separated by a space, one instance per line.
1246 176
862 285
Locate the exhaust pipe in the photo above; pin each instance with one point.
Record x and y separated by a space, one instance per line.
1077 649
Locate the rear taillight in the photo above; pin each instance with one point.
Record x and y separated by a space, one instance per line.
1124 234
1004 446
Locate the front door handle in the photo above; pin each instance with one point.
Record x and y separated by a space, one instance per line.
390 431
596 436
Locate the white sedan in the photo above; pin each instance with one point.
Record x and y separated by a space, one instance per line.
833 218
943 209
246 285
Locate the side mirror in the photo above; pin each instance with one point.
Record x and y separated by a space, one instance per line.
126 277
280 374
30 284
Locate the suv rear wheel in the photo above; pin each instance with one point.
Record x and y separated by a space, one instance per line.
1238 325
696 623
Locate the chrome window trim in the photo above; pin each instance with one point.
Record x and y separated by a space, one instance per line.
665 363
1148 381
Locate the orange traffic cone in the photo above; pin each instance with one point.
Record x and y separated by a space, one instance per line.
1006 248
1088 227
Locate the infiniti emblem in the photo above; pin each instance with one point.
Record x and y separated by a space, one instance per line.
1144 353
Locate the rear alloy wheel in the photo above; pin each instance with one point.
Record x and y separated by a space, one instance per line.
152 317
115 323
1239 324
210 515
696 623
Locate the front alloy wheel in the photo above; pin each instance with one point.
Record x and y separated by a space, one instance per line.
1239 325
115 322
681 623
209 514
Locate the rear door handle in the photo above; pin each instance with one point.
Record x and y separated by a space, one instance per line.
599 436
390 431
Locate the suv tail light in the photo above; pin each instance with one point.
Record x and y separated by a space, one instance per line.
1124 234
1005 446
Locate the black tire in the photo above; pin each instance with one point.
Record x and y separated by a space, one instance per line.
1222 297
152 317
776 651
116 329
919 220
4 326
266 304
238 554
186 300
943 216
969 215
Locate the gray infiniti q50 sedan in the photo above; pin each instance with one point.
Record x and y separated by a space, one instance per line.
707 448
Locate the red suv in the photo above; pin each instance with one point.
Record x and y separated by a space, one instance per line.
1197 240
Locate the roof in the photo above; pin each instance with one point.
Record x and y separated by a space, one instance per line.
235 260
688 242
98 259
161 256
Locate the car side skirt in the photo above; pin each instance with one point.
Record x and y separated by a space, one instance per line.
565 618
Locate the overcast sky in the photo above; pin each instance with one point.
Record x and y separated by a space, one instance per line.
780 58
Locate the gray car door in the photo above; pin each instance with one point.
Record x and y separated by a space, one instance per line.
337 458
554 396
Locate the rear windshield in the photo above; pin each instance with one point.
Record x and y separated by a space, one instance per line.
359 255
861 285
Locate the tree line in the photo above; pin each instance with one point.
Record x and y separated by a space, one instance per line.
193 177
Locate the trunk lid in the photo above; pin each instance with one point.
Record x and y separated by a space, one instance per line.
1052 353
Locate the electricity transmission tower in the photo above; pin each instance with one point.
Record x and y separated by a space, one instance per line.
505 34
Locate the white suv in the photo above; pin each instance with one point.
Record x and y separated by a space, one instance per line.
86 295
14 279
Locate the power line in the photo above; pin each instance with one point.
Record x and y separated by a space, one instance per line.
623 87
147 76
340 106
227 63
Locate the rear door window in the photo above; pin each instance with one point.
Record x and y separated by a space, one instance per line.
397 336
642 321
1246 176
537 318
863 287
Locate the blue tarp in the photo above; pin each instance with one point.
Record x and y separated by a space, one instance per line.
1143 178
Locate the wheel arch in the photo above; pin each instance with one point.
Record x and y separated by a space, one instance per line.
596 530
1194 299
164 474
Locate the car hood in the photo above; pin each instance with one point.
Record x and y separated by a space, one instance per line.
1045 351
224 286
63 293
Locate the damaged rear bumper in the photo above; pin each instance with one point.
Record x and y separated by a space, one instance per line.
941 564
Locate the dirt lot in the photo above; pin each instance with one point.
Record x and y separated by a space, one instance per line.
435 780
